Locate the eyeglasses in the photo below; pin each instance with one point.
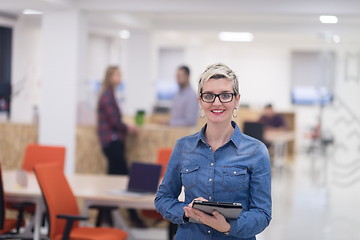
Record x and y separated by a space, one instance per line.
223 97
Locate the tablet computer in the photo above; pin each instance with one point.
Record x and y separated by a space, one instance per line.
227 209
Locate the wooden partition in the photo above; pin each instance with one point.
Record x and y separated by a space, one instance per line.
14 138
89 157
141 147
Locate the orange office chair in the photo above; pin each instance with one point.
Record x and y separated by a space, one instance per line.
163 157
37 154
6 225
63 210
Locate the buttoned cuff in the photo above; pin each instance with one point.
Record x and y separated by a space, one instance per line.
177 213
185 218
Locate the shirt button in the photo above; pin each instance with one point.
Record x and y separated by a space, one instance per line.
209 232
187 170
234 172
212 164
210 198
210 179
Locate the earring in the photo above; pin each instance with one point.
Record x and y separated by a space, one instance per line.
202 116
234 111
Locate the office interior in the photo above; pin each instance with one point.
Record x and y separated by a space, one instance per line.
54 55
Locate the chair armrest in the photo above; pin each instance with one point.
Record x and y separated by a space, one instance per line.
70 219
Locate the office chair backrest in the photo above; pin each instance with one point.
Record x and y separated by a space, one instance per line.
58 196
2 202
163 157
36 154
254 129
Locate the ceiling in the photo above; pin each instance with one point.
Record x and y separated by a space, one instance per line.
205 15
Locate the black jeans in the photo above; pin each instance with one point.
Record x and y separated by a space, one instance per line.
115 155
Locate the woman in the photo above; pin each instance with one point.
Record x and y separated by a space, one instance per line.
219 163
112 131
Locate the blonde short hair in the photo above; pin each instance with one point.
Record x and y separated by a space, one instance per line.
218 71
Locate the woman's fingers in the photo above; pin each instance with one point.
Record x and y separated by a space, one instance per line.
194 213
201 199
218 215
216 220
200 215
189 212
198 198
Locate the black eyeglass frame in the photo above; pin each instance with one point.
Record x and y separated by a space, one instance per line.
217 96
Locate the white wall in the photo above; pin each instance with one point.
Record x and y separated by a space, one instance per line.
99 52
26 67
264 70
169 60
5 21
102 50
99 55
263 66
140 81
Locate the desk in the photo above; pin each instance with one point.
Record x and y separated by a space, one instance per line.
93 189
279 139
31 193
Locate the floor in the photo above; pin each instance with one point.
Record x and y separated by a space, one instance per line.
310 203
316 198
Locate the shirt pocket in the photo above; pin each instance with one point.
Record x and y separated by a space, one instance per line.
189 175
234 178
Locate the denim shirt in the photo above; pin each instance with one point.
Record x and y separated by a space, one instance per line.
239 171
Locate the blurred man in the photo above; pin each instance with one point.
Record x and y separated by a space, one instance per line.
185 107
272 120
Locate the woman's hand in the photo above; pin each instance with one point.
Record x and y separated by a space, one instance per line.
132 129
197 199
216 220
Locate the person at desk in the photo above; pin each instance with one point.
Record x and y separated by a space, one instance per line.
112 130
185 108
220 164
272 120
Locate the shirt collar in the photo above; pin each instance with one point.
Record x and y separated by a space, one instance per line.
235 137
